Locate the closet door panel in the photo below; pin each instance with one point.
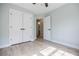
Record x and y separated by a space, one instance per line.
47 28
28 27
15 23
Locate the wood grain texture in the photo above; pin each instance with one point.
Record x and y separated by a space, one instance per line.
34 48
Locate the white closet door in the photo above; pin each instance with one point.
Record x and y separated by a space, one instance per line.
15 23
28 27
47 28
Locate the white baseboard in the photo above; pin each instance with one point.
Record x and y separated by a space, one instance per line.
66 44
4 46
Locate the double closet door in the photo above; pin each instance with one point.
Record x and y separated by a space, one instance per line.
20 26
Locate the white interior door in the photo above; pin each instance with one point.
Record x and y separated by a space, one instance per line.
15 23
47 28
28 27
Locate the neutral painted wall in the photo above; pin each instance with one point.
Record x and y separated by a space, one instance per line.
3 26
0 22
65 25
4 22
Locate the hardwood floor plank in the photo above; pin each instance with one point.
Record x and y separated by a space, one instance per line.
34 48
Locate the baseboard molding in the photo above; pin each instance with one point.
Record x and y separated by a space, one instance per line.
66 44
4 46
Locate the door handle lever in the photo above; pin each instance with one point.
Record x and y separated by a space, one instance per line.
22 29
49 29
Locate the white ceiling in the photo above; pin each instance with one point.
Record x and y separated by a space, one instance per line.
40 9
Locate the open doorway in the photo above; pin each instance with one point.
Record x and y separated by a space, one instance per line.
39 29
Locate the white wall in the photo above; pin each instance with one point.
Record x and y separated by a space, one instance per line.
4 22
0 22
65 25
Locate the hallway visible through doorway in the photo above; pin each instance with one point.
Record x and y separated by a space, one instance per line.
39 28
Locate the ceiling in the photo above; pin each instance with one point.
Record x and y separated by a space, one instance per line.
40 9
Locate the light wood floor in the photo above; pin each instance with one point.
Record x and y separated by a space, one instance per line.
38 48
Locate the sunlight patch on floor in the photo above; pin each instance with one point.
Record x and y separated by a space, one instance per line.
52 51
35 55
47 51
62 53
55 52
68 54
58 53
